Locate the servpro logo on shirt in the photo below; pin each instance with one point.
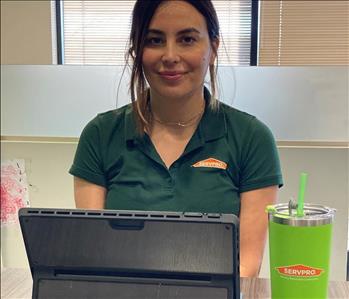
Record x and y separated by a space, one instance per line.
299 271
211 163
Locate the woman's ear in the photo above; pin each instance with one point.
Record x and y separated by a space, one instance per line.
214 46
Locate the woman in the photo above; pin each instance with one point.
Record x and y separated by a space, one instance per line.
176 148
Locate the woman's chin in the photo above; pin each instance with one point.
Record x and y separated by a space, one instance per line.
174 92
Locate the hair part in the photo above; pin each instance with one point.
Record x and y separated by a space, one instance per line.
143 12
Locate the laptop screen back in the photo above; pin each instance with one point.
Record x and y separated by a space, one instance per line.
90 254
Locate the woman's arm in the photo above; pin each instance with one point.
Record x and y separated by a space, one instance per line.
253 228
88 195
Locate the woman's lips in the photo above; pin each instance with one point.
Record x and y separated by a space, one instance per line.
171 76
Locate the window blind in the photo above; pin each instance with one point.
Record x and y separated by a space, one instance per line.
304 33
53 32
96 32
235 20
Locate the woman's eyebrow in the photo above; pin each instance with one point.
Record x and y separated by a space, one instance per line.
155 31
184 31
188 30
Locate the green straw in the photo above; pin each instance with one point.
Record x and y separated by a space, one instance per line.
270 209
300 203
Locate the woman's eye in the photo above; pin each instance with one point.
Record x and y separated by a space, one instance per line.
188 40
154 41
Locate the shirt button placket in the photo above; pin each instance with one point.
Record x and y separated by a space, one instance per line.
173 174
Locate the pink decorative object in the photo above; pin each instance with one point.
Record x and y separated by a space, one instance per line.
14 190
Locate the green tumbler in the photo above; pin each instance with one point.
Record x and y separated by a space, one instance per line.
299 250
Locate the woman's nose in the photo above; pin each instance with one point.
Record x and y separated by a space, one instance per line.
170 54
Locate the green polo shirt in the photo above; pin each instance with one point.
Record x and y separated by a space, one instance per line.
230 152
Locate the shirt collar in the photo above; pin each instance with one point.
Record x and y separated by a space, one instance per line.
130 124
212 125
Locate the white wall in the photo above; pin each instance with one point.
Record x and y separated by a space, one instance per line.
298 103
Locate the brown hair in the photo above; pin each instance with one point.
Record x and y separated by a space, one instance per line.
143 12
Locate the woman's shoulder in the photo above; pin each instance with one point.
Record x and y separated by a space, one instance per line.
241 121
111 118
107 123
114 115
236 116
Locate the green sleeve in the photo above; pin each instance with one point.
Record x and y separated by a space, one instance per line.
260 159
88 162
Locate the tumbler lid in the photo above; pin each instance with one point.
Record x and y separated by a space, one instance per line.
314 215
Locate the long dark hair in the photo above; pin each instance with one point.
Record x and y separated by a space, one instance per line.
143 12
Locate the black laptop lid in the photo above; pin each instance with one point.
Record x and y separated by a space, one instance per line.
80 253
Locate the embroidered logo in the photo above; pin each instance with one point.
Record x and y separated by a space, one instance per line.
211 163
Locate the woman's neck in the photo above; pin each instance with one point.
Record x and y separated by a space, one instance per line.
179 111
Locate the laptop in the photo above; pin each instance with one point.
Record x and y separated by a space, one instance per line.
131 254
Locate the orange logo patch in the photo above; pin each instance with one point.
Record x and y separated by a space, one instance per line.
299 271
211 163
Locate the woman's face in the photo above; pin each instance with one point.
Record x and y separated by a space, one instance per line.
177 51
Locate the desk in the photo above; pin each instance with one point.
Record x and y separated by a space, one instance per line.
17 283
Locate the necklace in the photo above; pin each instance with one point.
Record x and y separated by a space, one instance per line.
181 123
